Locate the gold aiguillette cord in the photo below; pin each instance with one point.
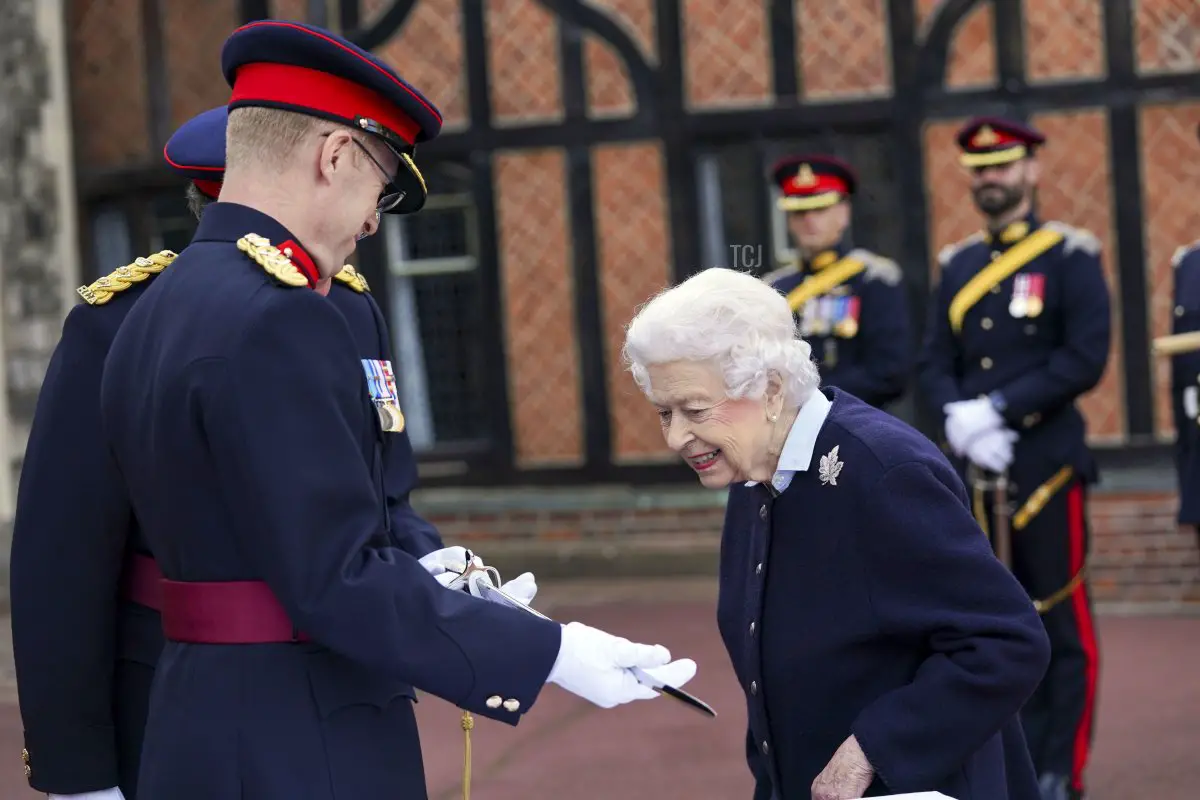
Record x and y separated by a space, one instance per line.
468 724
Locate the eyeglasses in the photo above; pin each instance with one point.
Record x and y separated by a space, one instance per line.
391 196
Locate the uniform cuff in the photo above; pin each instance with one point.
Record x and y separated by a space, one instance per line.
66 759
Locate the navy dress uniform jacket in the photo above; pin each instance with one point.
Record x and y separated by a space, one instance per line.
243 424
853 310
1035 364
865 601
1185 384
85 651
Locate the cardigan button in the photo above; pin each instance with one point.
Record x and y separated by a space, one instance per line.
758 569
753 687
762 512
766 748
752 627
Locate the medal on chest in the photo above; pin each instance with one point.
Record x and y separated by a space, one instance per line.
1028 298
381 384
846 324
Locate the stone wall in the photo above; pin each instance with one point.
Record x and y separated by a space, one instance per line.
38 252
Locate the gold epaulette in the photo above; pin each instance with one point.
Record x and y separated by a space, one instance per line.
1075 238
353 278
101 291
273 262
947 253
879 268
1184 252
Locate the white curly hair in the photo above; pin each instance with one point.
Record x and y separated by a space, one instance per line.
728 318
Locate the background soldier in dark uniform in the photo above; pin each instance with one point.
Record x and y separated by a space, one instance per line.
850 302
1019 329
245 428
85 653
1185 384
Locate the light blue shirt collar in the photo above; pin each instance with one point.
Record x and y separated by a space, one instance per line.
801 441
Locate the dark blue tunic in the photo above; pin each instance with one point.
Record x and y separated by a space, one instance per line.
870 603
238 411
1185 384
85 654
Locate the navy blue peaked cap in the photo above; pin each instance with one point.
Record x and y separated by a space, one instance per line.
297 67
197 150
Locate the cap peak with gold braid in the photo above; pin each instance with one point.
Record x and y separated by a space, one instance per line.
992 141
353 278
273 262
810 182
101 291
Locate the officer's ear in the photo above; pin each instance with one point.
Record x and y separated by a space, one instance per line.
335 153
1033 171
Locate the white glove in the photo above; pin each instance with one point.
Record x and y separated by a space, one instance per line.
447 561
676 674
594 665
993 450
108 794
967 419
522 588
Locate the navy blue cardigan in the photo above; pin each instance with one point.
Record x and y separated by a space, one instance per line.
874 606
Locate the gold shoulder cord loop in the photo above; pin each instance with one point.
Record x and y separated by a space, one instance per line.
468 724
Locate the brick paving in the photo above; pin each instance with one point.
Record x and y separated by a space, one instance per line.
1148 730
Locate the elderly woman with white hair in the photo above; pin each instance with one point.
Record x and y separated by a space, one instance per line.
881 645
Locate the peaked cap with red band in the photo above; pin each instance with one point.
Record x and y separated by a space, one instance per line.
810 182
988 141
197 150
297 67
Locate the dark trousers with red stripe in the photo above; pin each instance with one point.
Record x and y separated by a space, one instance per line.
1047 553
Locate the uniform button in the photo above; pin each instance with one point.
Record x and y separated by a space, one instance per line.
753 687
986 323
494 701
1030 329
985 362
995 254
24 755
758 569
766 748
762 512
995 290
1179 311
512 705
1031 419
752 626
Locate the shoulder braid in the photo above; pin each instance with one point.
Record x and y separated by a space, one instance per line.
353 278
879 268
272 261
104 289
1183 252
947 253
1075 238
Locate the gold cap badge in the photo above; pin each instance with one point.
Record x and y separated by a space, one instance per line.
805 179
985 137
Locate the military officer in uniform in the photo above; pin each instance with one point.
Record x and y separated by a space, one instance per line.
85 655
1019 330
237 410
1185 384
850 303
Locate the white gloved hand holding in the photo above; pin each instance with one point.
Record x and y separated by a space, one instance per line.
993 450
967 419
522 588
595 665
107 794
445 564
